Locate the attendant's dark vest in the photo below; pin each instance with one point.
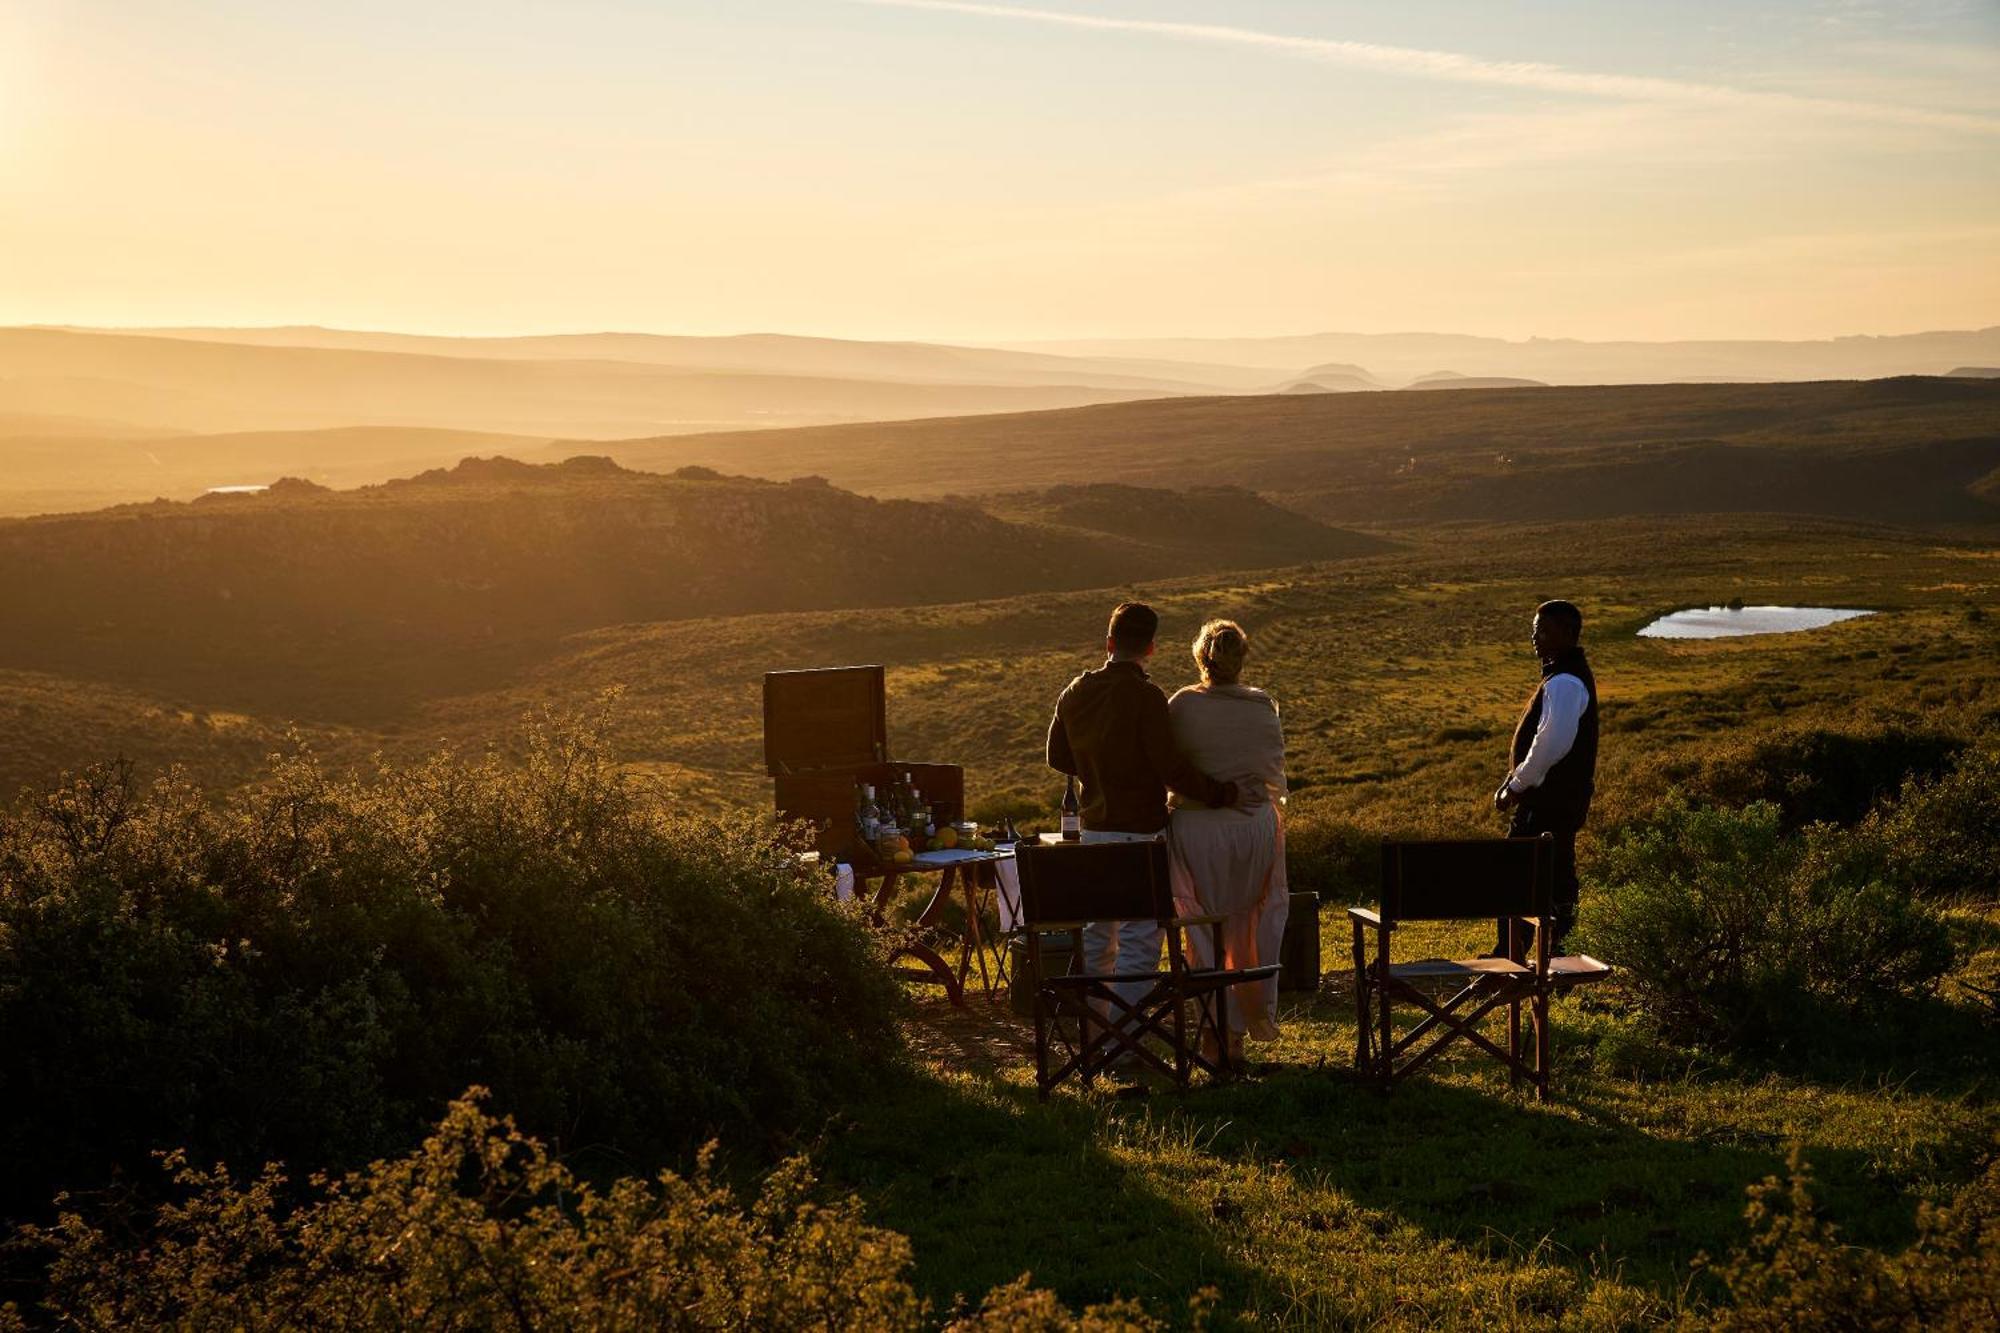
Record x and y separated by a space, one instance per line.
1563 799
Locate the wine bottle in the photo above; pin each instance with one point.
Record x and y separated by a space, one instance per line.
1072 818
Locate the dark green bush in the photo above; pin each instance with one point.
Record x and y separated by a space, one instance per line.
1942 837
1818 775
1732 931
308 972
480 1229
1796 1273
1333 858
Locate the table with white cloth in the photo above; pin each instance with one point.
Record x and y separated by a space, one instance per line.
984 882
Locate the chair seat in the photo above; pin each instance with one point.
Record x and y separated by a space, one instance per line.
1576 969
1429 969
1204 977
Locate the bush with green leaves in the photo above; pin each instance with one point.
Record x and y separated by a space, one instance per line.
1331 857
308 971
1817 774
1733 931
1796 1272
479 1228
1941 838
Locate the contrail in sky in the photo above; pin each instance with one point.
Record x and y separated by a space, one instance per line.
1453 66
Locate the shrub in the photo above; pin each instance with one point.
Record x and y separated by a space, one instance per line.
1818 775
1732 931
1795 1273
1331 857
1942 837
308 971
480 1228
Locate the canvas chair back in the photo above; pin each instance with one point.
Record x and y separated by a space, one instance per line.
1467 879
1094 881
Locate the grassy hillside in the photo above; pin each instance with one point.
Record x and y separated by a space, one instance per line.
1204 528
1401 674
1400 671
314 604
1306 1199
180 384
1895 449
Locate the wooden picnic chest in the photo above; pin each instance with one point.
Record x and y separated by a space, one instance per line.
826 730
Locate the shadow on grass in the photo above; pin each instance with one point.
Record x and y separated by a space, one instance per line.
1499 1174
988 1184
1306 1189
1098 1196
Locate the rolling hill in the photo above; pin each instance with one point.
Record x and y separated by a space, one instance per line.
1902 449
178 384
759 354
1324 382
1451 379
340 605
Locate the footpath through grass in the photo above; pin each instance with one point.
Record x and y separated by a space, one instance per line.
1309 1200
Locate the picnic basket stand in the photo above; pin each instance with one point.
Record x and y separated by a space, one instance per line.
827 729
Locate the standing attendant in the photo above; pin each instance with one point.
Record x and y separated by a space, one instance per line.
1111 731
1554 757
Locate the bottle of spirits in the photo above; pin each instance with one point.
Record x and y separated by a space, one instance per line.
867 818
1072 816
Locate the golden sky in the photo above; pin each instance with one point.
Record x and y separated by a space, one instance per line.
980 172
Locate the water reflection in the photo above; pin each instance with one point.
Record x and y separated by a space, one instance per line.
1725 622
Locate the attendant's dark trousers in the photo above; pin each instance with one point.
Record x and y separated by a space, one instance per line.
1530 823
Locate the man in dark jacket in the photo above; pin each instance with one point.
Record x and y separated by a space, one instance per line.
1111 731
1554 756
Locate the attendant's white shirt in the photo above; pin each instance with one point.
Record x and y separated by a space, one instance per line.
1563 700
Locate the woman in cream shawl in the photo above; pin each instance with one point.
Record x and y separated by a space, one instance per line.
1231 863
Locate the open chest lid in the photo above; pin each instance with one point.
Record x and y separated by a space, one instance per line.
831 718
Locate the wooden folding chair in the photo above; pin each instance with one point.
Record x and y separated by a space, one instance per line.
1066 886
1475 880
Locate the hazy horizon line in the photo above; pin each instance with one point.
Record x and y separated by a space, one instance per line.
961 341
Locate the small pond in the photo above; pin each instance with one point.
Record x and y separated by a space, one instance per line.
1726 622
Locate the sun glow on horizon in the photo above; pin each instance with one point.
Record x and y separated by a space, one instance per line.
975 172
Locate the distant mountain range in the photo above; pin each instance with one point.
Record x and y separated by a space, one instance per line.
155 385
96 417
1398 358
759 354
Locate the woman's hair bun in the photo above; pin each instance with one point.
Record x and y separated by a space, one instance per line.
1219 650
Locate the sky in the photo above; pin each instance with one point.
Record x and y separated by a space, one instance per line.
986 172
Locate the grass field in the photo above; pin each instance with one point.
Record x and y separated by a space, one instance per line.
1307 1200
1311 1201
1400 675
1303 1198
